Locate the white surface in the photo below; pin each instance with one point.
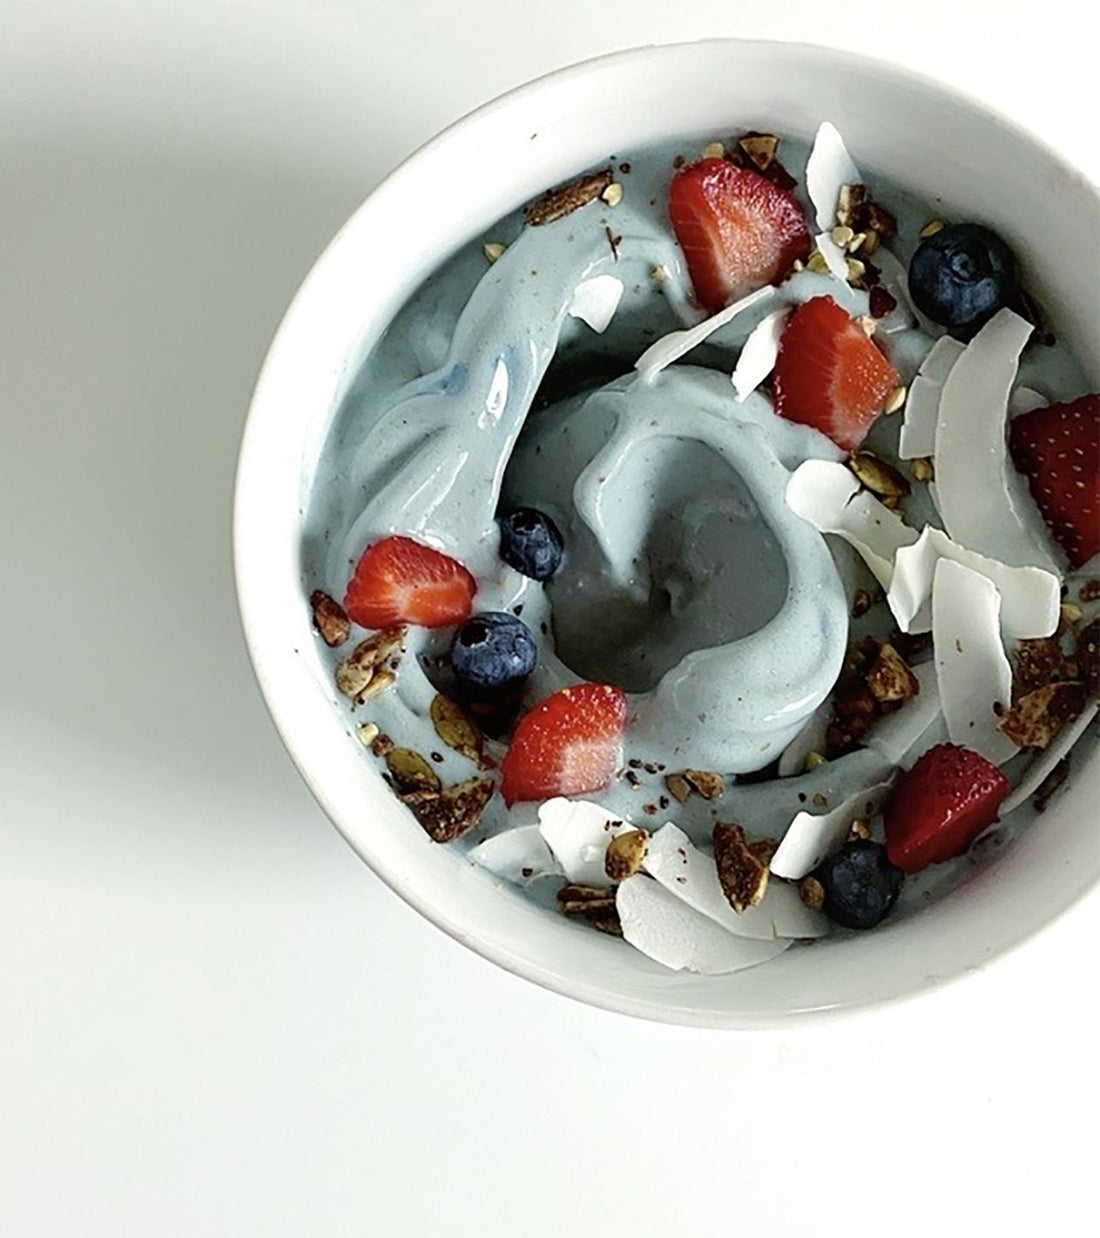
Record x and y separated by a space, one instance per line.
216 1020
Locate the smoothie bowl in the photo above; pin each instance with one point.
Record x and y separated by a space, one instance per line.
666 532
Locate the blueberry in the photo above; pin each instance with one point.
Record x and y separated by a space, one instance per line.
493 651
861 885
530 542
961 276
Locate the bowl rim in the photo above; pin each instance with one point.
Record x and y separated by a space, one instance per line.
580 988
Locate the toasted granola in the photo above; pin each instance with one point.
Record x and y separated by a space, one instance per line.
890 680
1038 662
708 784
366 662
329 618
1036 718
743 877
565 199
448 815
1088 656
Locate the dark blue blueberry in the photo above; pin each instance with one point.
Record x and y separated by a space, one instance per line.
493 651
961 276
530 542
861 885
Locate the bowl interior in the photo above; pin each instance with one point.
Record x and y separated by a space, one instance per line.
961 158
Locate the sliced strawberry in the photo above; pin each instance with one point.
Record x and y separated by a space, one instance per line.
738 230
941 805
569 745
830 375
1058 449
398 580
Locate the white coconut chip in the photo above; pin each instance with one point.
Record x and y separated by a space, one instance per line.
519 854
675 862
828 169
1045 761
828 496
813 837
1030 596
894 735
790 915
835 257
672 347
595 301
759 354
976 485
1025 400
973 674
577 832
922 405
810 739
670 932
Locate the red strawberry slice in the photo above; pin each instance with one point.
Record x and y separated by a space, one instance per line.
398 580
738 230
830 375
941 805
568 745
1058 449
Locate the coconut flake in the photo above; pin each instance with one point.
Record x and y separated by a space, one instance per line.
973 674
828 496
978 501
670 932
810 739
941 359
791 916
759 354
595 301
922 406
577 832
676 863
1025 400
519 854
812 838
1030 596
672 347
835 257
1045 761
894 735
828 169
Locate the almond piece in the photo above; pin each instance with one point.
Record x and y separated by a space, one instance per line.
625 853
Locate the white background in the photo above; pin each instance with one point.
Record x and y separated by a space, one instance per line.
214 1020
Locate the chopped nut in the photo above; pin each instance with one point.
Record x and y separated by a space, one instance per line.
895 400
448 816
870 244
881 302
379 683
761 148
359 668
608 924
1038 662
595 904
367 733
861 603
816 262
819 800
659 274
850 203
411 772
856 270
613 194
1088 656
868 323
1036 718
1090 590
931 228
842 235
880 221
1072 613
892 503
744 879
381 745
890 678
878 476
812 893
329 618
923 469
764 849
814 760
457 731
714 150
677 787
861 828
709 784
625 853
564 200
856 241
493 250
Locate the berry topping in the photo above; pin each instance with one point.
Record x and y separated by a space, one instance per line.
738 230
830 375
530 542
1058 449
941 805
568 745
398 580
491 651
861 884
961 276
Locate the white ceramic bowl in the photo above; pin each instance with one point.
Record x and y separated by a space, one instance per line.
947 148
